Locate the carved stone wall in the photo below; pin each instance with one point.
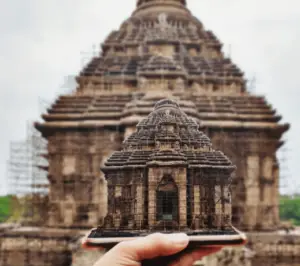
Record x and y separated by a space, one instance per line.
23 249
78 189
255 183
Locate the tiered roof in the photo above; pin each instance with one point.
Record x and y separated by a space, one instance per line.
183 143
136 65
128 109
162 22
188 52
161 65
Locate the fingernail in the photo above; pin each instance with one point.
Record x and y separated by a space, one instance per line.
179 239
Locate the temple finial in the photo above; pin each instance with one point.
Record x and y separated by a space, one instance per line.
141 2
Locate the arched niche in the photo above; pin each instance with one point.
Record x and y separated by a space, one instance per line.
167 200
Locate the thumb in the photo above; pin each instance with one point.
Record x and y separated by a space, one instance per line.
150 247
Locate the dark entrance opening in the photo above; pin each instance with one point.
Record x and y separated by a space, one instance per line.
167 200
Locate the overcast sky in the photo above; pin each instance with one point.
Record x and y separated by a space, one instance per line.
44 41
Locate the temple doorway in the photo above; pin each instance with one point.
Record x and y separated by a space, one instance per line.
167 201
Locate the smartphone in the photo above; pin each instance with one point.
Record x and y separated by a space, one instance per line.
106 240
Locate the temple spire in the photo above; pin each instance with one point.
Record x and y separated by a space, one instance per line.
142 2
164 5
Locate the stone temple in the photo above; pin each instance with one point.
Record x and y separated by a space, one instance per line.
168 177
161 51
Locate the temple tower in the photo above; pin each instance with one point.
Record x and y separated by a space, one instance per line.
161 51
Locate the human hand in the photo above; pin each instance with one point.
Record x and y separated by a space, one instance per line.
153 250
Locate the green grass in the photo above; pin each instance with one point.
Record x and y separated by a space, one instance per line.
5 208
290 209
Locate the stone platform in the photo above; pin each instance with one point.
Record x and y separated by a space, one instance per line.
29 246
26 246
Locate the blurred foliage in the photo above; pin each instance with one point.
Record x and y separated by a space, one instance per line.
16 210
11 209
290 209
5 208
28 210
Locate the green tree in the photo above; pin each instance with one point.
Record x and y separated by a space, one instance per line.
290 209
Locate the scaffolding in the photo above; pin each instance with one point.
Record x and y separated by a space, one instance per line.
283 156
27 166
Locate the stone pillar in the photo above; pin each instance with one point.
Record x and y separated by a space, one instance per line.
227 213
103 197
252 191
181 183
196 205
268 191
152 208
267 172
182 207
218 206
196 200
118 212
151 198
267 215
275 196
267 167
139 211
68 210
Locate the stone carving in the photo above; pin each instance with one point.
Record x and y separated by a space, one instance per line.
179 85
162 20
157 145
177 146
193 28
143 83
